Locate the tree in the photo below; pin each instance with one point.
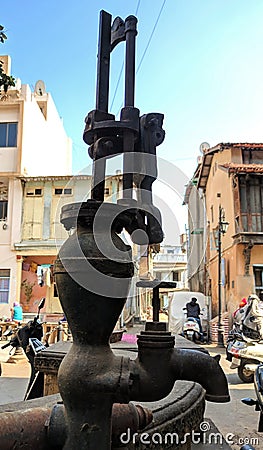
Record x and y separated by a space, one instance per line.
28 289
5 80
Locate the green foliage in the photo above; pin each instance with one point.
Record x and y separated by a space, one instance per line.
3 36
28 289
5 80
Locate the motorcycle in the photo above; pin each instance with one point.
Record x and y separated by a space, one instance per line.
245 354
258 403
29 338
245 345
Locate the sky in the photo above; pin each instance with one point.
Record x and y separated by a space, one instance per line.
199 62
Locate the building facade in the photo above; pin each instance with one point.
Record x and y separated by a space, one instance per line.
170 265
33 142
196 235
42 233
229 178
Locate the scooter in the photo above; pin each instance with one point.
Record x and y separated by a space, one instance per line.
244 354
191 330
258 403
29 338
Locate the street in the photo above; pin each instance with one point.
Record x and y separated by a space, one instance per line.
235 421
235 417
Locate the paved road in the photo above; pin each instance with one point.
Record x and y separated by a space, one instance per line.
14 378
235 420
235 417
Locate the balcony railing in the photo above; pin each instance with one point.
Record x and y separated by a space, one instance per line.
170 258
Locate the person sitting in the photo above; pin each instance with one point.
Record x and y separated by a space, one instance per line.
17 312
193 310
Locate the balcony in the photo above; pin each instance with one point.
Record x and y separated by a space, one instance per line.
247 237
170 258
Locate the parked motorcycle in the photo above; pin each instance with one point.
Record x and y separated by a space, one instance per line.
9 331
245 344
258 403
245 355
29 338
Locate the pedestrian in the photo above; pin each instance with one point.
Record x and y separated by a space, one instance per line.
16 312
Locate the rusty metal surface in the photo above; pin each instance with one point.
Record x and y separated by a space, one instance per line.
130 416
43 427
24 429
179 413
204 369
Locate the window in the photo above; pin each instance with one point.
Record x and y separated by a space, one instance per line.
176 276
8 134
61 191
252 156
158 275
258 277
3 209
4 285
34 192
251 202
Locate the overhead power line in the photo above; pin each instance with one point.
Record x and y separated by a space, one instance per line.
150 38
144 53
122 66
138 6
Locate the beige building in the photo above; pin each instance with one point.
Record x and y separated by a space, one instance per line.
33 142
42 233
229 177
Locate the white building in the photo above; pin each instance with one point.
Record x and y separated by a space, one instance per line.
170 264
33 142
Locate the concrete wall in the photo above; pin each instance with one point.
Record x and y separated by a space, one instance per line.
197 223
41 214
46 149
9 234
8 261
43 148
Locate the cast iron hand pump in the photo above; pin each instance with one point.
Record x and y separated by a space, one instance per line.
93 274
94 267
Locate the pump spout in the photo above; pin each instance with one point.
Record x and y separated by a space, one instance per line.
159 365
192 365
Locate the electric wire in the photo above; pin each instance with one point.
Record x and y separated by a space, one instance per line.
122 66
151 36
144 53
